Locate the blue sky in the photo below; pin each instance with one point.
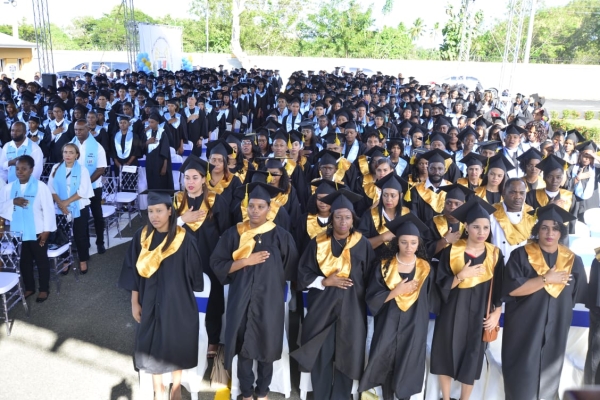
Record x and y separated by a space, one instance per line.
431 11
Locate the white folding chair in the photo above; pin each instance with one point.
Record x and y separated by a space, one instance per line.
46 172
11 291
584 248
591 218
110 187
581 229
128 194
61 257
176 161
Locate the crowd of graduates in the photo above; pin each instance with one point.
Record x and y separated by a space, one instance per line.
373 194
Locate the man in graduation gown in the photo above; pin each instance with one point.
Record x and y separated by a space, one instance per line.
444 230
439 140
591 374
335 270
162 282
58 132
205 216
510 224
196 124
554 177
542 282
158 155
255 258
426 199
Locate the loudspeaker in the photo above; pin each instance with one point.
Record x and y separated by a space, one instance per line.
48 80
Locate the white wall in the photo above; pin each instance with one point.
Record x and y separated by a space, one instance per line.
555 81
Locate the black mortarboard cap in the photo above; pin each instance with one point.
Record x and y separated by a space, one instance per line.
325 186
260 190
334 137
155 116
218 147
392 181
482 122
587 145
160 196
466 132
35 118
272 125
408 224
196 163
403 125
473 209
551 163
553 212
375 151
489 145
328 157
440 137
342 198
574 136
474 159
499 161
348 125
436 155
471 114
530 154
456 192
514 130
125 117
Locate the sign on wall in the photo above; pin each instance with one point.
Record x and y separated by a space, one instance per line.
163 45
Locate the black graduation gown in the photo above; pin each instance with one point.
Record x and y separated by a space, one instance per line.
344 309
104 141
453 173
419 207
55 147
154 163
581 205
255 306
301 234
176 135
399 338
535 329
457 349
432 235
137 150
196 130
167 336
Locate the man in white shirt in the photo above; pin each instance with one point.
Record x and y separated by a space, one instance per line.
20 145
513 148
93 157
510 224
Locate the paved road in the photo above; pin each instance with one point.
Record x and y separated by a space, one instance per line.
78 344
579 105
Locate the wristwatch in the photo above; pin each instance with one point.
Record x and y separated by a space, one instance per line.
544 278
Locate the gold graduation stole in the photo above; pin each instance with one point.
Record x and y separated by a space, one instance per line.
435 200
377 219
564 262
393 279
412 182
330 264
447 163
343 166
465 182
149 261
180 200
290 166
457 263
247 235
541 184
220 186
543 200
243 171
302 162
312 226
370 188
515 233
597 253
441 224
276 203
363 165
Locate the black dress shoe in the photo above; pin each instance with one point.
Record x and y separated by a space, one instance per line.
82 272
42 299
65 271
29 295
101 249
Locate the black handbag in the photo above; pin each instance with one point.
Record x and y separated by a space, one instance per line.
57 239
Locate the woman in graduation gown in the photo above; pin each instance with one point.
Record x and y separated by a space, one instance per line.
553 169
495 175
162 269
255 258
591 374
287 198
397 295
528 162
373 165
205 216
373 224
158 155
444 230
464 276
542 282
474 164
226 115
584 178
335 267
219 179
316 219
126 147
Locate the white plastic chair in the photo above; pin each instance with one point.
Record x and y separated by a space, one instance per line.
584 248
191 379
11 296
176 161
591 216
128 190
581 229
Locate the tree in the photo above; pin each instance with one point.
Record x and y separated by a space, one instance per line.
453 31
416 31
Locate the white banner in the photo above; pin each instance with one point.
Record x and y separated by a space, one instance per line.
163 45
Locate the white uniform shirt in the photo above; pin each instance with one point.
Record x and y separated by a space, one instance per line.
36 153
85 187
100 159
498 236
43 206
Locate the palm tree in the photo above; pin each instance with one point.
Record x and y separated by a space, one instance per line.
416 31
433 33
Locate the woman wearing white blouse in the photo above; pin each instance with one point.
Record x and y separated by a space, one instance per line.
71 189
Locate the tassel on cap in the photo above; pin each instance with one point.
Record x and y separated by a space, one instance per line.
337 140
269 178
407 194
413 159
386 153
289 144
487 166
245 201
